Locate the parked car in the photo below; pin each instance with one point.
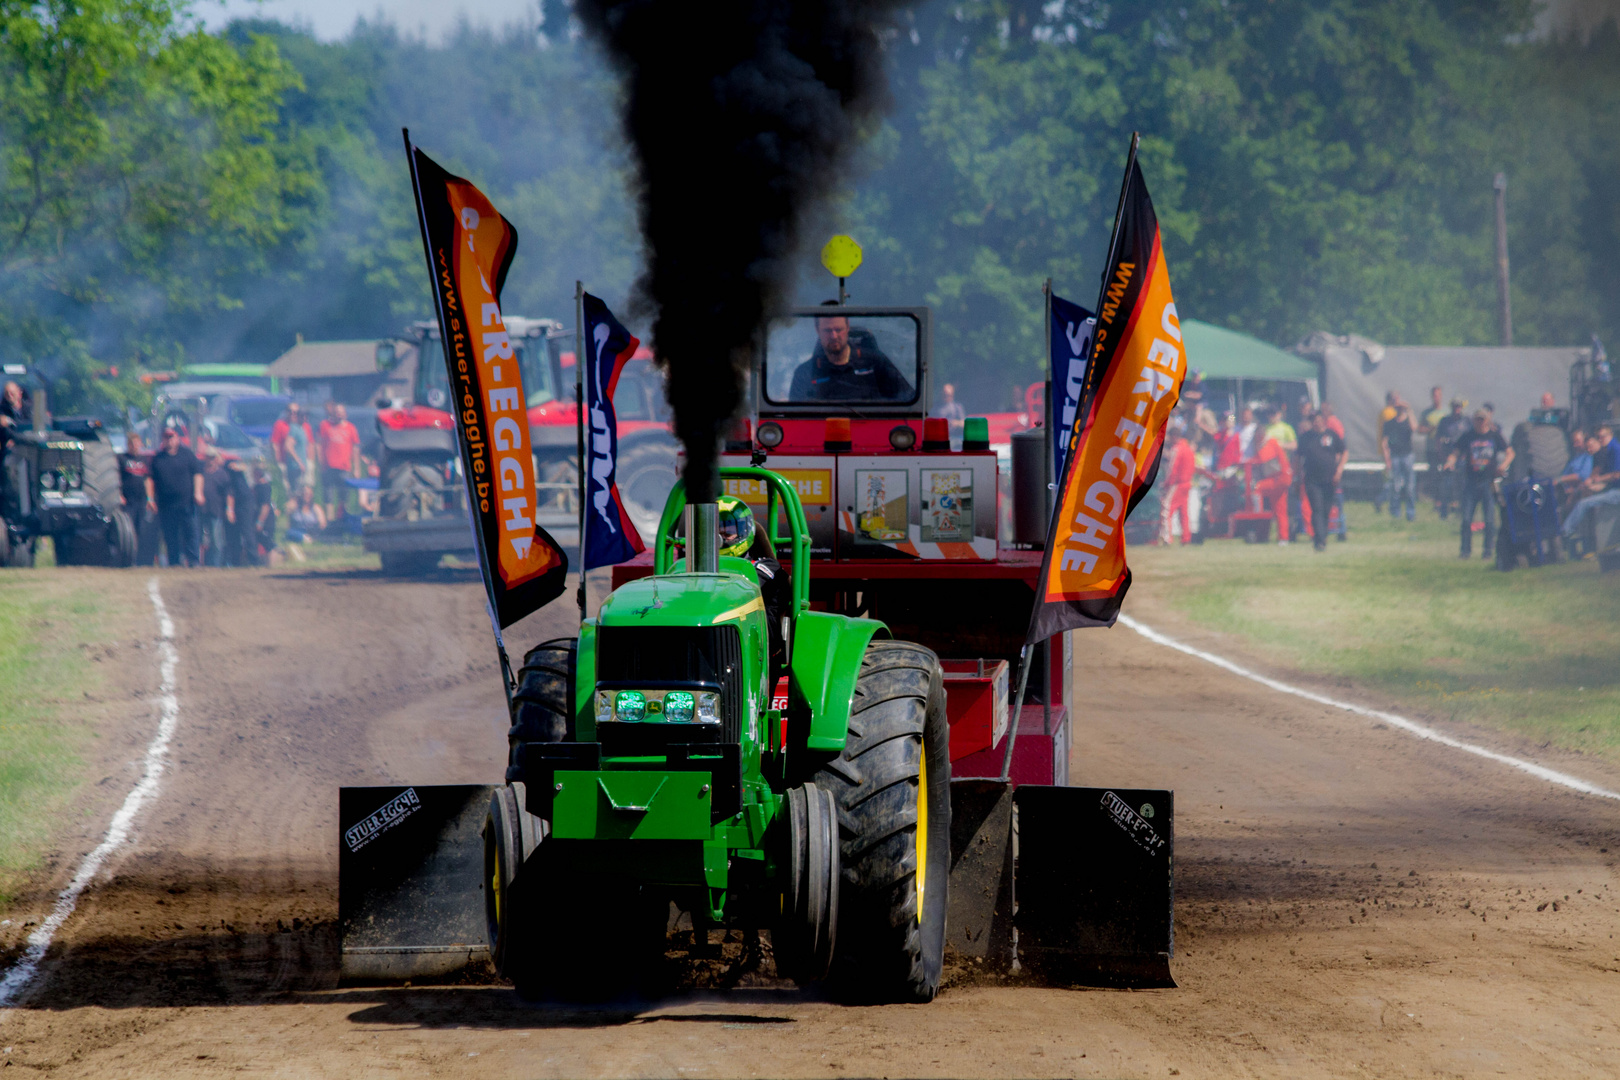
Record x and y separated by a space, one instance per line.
254 413
235 442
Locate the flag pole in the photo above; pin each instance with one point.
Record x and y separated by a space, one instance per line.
1046 471
1113 237
579 428
1051 385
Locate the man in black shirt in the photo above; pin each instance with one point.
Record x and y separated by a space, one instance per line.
1399 463
174 490
1452 426
133 469
847 366
1323 453
264 534
218 506
1479 456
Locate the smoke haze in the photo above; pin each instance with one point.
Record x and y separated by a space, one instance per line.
742 120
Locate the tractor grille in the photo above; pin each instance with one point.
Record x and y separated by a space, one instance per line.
674 656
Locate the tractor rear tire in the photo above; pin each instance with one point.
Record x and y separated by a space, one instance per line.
892 787
412 491
543 705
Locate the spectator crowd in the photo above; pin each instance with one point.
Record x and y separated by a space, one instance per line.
1264 466
1250 470
204 507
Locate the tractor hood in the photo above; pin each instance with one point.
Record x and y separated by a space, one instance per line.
683 600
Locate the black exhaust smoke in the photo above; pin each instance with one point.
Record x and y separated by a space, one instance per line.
742 115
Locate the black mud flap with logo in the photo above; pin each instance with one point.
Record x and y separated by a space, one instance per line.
410 888
1096 885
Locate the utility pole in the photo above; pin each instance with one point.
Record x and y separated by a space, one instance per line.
1504 303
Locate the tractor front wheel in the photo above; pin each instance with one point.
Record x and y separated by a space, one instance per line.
510 836
892 787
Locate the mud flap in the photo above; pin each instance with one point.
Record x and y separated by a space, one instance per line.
979 918
1095 885
410 888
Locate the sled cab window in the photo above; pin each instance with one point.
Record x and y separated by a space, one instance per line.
432 382
537 355
540 369
853 359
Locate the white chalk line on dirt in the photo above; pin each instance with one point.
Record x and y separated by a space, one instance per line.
1411 727
22 973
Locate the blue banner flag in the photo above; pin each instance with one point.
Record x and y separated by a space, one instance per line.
610 537
1073 330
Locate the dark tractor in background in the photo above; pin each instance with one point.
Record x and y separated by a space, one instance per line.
62 482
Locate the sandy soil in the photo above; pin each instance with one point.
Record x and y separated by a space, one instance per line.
1351 901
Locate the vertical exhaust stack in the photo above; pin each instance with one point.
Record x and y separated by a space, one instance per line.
703 538
782 92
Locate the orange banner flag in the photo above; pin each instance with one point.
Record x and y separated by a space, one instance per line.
1132 385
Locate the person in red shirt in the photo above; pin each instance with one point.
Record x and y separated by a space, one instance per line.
1334 424
1274 476
1183 465
339 444
291 439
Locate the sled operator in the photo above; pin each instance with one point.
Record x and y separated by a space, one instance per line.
847 365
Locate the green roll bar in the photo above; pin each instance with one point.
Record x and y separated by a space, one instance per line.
778 493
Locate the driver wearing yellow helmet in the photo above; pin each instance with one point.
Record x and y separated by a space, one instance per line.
740 537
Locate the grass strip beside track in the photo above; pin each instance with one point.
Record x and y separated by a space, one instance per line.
48 625
1535 651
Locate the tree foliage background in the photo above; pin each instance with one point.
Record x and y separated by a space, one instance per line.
167 195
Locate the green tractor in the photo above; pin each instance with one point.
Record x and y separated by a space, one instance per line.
653 760
649 764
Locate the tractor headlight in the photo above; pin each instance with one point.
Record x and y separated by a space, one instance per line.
669 706
47 481
679 707
629 706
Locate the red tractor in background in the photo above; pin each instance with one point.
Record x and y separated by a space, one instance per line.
422 505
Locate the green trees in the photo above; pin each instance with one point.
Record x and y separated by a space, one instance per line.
167 194
529 120
1315 166
137 159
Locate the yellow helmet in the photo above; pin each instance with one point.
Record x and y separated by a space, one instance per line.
736 526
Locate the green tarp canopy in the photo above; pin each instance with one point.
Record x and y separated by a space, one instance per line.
1227 354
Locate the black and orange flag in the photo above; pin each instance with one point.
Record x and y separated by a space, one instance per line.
469 248
1132 384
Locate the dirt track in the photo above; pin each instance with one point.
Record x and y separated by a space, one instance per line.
1351 901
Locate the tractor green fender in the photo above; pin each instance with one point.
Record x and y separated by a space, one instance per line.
827 652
